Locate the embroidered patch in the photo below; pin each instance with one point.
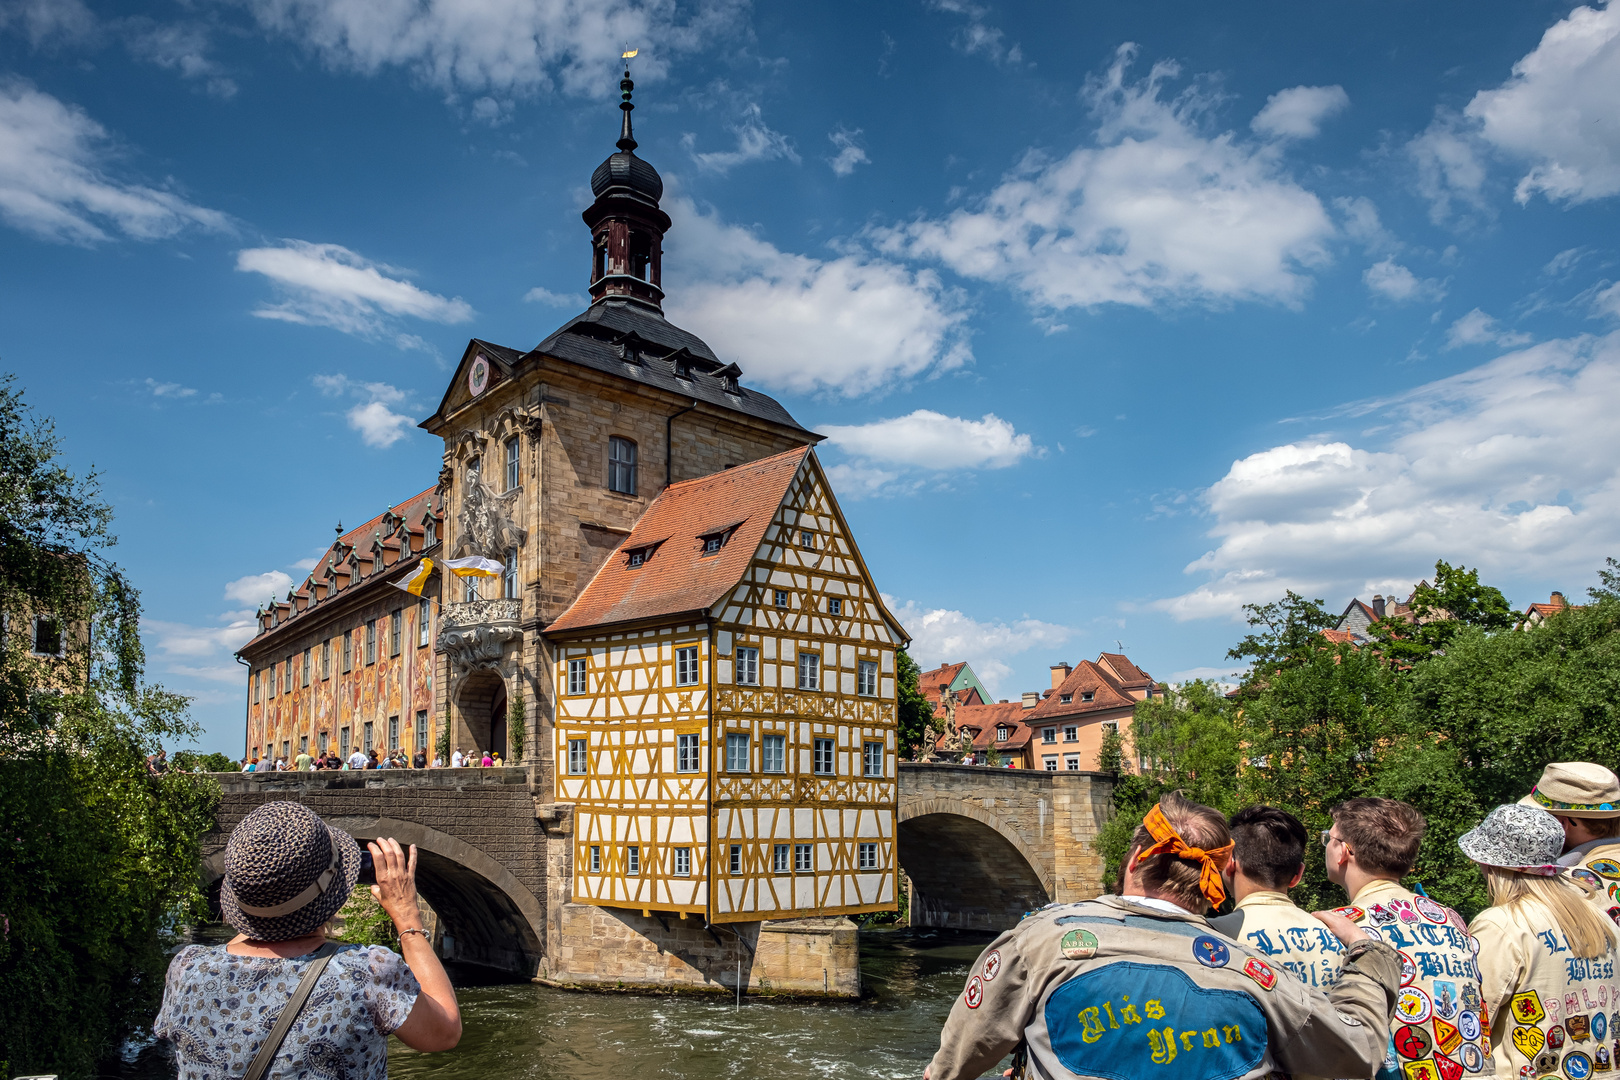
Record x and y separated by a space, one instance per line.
1555 1037
974 994
1468 1024
1586 877
1448 1068
1605 868
1446 1036
1527 1008
1078 945
1260 972
1528 1041
1600 1026
1354 914
1445 1000
1413 1042
1128 1020
1579 1028
992 965
1372 932
1412 1005
1577 1065
1382 915
1408 969
1211 952
1419 1070
1429 909
1472 1059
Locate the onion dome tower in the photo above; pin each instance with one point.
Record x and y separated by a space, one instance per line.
627 227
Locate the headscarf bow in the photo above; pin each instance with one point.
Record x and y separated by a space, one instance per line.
1169 842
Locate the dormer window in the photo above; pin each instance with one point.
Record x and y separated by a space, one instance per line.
728 377
1087 695
639 556
1065 698
1001 734
711 544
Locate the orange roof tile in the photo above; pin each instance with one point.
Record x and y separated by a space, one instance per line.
984 719
1107 689
678 577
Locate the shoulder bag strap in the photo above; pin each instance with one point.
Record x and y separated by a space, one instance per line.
278 1034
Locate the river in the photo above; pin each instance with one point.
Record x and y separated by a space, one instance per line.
525 1031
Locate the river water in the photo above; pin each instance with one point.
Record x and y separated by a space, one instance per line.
525 1031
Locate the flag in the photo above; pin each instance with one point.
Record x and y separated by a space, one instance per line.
629 54
417 580
474 566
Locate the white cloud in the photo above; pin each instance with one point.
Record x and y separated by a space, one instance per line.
1478 328
978 36
48 22
944 636
169 389
849 153
181 642
851 324
1561 109
1361 224
859 480
1157 212
329 285
1227 677
377 424
930 440
1298 112
1450 163
542 295
1606 301
256 589
755 142
1395 282
55 183
1512 466
501 47
181 47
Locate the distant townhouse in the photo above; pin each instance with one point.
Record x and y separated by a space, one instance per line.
1537 614
957 679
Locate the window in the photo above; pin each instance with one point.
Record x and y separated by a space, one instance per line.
824 757
393 733
713 542
287 676
419 734
807 539
1048 734
285 749
748 666
621 466
773 753
369 744
576 676
866 678
1071 762
809 671
779 859
683 862
343 743
396 624
835 605
371 642
1087 695
868 857
596 858
469 590
1071 733
637 557
424 624
1065 698
734 864
326 659
632 859
258 685
512 476
780 599
804 858
736 752
509 577
303 744
47 637
324 742
1050 761
1110 725
348 651
686 753
872 759
686 666
578 758
1001 734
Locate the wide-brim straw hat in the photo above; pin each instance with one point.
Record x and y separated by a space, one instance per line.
1576 789
286 872
1516 837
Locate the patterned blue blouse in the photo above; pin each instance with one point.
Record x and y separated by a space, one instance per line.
218 1008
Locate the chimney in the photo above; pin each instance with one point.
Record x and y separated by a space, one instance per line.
1032 698
1557 600
1060 672
1378 607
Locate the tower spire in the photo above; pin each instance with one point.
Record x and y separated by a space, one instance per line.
627 141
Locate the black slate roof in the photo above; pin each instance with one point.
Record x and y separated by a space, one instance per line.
599 338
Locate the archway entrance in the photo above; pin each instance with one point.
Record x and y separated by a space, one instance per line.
481 703
497 724
966 875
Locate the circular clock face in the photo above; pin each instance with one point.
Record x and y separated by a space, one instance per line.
478 377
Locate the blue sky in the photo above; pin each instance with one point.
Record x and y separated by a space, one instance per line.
1118 316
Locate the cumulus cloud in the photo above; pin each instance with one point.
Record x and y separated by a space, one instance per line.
945 635
1560 110
849 324
1156 212
1298 112
1450 163
977 36
184 649
863 480
378 425
930 440
542 295
329 285
1478 328
1511 465
169 389
1395 282
755 142
56 181
256 589
849 153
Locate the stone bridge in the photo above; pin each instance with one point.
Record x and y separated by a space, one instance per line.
979 846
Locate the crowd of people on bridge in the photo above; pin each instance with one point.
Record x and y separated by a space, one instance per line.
1394 985
368 759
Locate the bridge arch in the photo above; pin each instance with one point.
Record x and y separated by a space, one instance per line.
969 867
489 917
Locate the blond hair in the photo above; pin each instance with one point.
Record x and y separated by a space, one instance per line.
1569 901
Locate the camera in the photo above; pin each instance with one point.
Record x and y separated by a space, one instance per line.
368 869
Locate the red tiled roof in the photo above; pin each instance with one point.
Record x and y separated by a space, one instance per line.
1129 674
929 681
1108 690
678 577
984 719
1342 637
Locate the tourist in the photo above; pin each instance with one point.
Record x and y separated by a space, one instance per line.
1584 798
1370 848
157 764
357 760
496 759
221 1002
371 761
456 760
419 759
1073 982
1546 954
303 762
487 761
1268 859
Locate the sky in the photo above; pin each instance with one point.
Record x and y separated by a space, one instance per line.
1116 317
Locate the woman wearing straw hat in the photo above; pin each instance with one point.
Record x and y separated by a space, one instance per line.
278 1001
1546 954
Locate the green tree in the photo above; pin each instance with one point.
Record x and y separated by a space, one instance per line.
915 711
1456 600
517 726
190 761
1286 632
97 858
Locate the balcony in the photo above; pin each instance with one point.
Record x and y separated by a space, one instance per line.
474 634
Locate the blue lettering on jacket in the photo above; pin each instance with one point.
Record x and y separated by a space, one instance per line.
1133 1021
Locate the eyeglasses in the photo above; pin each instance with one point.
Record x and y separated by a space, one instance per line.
1328 837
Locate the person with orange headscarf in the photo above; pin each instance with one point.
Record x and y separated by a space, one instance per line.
1141 985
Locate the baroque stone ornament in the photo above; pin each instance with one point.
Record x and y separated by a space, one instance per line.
473 635
485 526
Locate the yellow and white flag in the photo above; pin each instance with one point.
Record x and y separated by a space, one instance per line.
415 583
629 54
474 566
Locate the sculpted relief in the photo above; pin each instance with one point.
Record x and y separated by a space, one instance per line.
485 526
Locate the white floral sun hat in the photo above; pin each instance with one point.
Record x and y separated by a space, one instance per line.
1516 837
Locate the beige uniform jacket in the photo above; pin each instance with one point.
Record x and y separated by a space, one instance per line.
1438 1031
1552 1013
1599 867
1116 990
1274 926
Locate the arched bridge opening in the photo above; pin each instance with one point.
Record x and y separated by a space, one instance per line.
966 875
